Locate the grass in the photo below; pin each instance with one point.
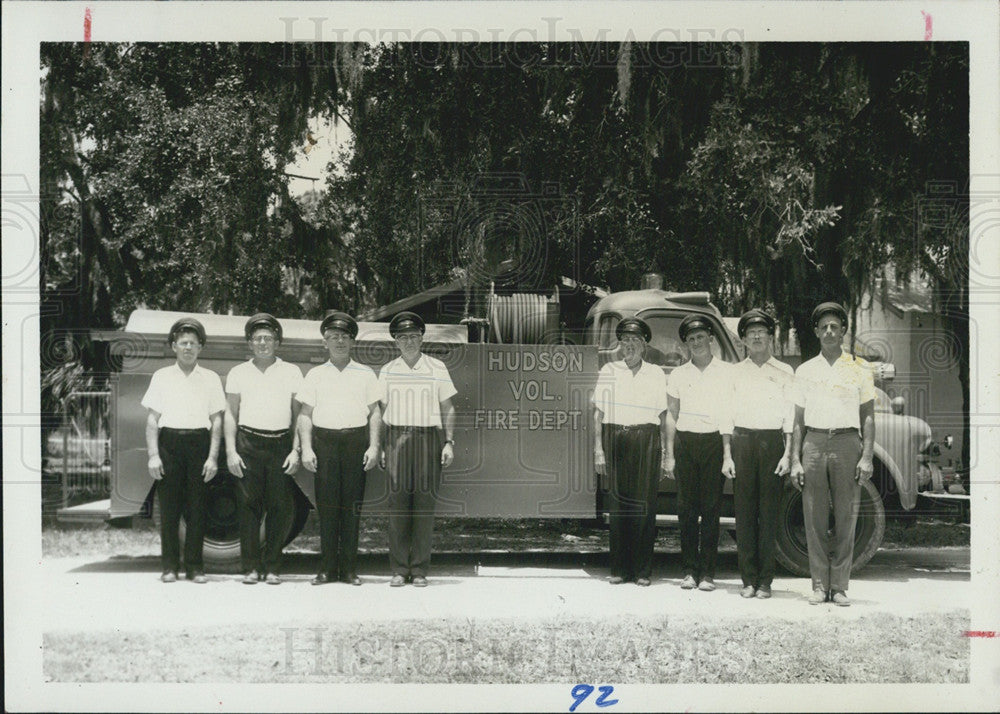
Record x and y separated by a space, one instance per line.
925 533
72 540
61 540
64 540
667 649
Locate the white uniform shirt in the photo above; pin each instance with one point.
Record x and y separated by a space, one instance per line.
185 401
412 397
705 397
341 399
763 397
265 397
831 394
626 399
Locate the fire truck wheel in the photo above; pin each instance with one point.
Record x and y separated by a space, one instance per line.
302 508
792 553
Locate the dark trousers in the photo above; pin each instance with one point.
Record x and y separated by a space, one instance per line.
830 464
264 488
698 466
757 494
340 491
413 456
182 491
633 459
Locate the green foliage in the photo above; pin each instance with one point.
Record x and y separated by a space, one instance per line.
163 187
180 150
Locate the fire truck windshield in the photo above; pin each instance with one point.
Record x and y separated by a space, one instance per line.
666 348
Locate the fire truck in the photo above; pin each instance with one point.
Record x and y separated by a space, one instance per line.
524 444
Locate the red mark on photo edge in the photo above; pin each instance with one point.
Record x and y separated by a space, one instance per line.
86 33
987 634
928 25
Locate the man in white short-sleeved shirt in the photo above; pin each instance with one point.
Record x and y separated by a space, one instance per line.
415 391
630 422
262 448
835 430
339 426
183 429
699 394
763 413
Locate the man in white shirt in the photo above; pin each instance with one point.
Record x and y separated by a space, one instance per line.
183 429
835 399
416 391
261 448
339 426
630 423
763 413
699 393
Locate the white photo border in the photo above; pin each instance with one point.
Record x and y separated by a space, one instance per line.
27 24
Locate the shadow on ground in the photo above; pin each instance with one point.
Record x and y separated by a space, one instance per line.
945 564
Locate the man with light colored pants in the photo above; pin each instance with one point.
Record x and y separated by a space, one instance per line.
835 400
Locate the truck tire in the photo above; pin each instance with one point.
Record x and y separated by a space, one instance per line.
792 553
221 550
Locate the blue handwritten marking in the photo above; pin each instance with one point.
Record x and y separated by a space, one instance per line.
603 701
581 691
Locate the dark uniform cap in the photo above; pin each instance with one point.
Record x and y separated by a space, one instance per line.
406 321
694 322
825 308
634 326
755 317
262 319
186 323
337 320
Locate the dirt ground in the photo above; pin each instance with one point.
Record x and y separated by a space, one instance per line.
108 618
509 602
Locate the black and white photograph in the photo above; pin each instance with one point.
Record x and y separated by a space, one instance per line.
501 356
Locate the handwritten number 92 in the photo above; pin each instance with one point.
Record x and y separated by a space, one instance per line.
581 691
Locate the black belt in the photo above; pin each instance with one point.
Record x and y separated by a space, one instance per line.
748 431
832 432
413 429
264 433
633 427
184 432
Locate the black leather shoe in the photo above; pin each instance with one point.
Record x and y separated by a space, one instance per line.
351 580
320 579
